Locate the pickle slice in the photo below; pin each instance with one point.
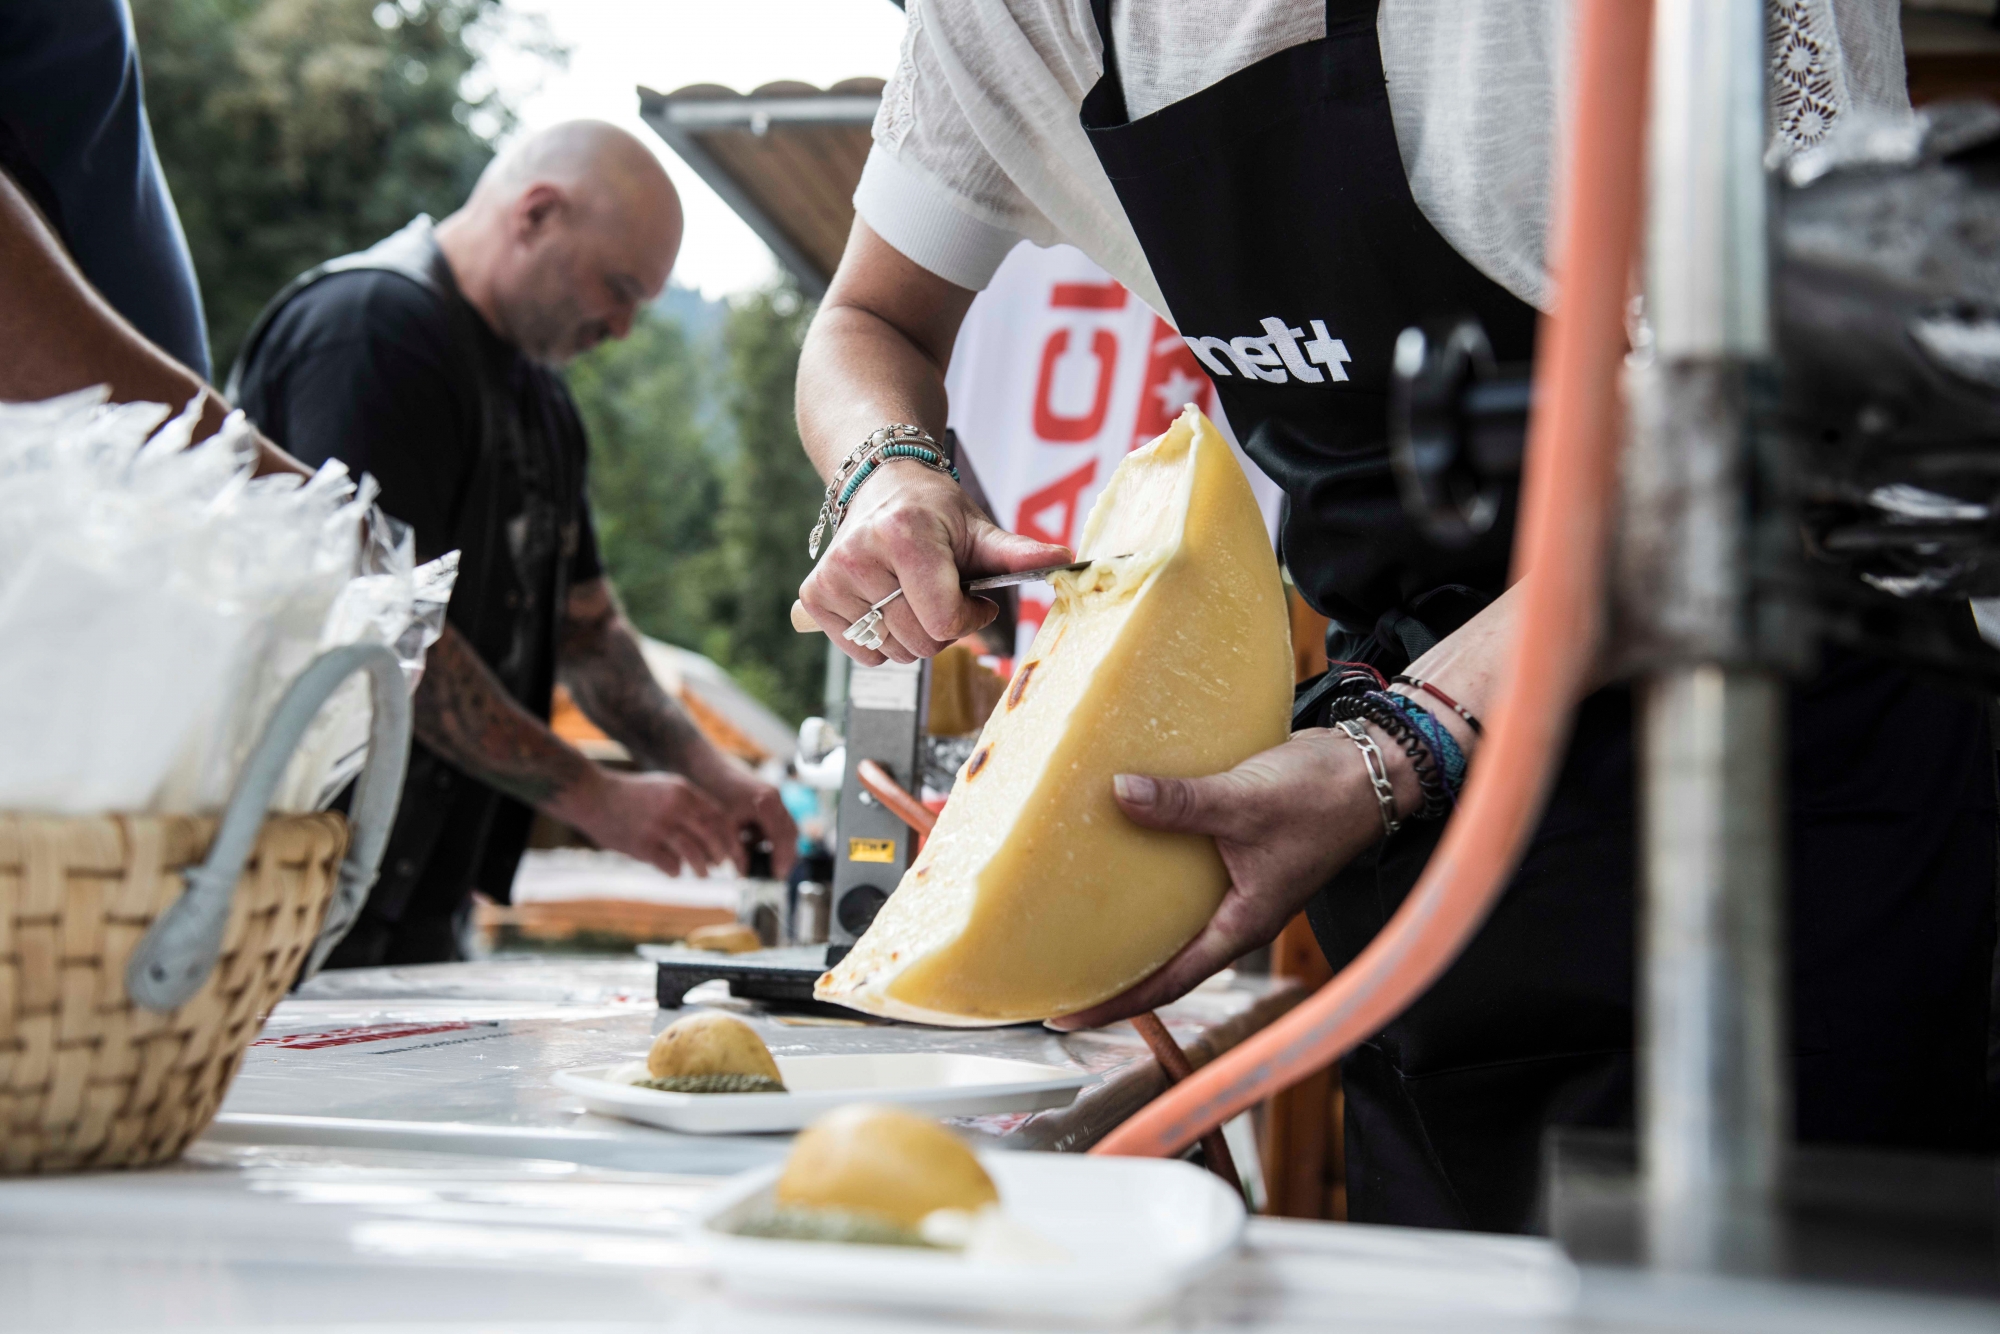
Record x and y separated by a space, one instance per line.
831 1225
714 1084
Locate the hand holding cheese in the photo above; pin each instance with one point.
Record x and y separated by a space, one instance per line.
1035 896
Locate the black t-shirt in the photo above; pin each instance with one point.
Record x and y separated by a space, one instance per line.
477 448
361 367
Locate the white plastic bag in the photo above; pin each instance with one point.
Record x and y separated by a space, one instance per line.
156 600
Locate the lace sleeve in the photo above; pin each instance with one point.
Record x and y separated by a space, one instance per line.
1830 58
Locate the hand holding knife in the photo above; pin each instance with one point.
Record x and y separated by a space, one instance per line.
867 626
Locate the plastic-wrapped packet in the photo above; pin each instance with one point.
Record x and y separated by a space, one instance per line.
156 600
285 550
107 649
394 602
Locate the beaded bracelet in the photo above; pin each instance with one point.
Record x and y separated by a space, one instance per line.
1442 698
899 440
1376 708
1378 773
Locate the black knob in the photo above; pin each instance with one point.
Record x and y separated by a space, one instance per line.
858 907
1457 426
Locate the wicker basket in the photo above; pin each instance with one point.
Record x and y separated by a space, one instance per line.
139 955
88 1077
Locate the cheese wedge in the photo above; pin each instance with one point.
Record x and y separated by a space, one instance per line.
1035 896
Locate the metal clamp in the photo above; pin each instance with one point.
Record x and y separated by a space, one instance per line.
181 948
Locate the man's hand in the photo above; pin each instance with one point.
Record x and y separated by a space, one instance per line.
1284 821
915 529
659 818
606 672
750 808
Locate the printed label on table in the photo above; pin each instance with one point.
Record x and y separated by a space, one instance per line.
871 850
892 687
348 1037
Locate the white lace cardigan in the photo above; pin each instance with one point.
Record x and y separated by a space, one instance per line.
977 145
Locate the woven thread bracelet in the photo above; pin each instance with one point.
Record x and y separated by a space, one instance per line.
1378 773
900 440
1376 708
1442 743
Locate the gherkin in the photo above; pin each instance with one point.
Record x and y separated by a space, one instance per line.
835 1225
714 1084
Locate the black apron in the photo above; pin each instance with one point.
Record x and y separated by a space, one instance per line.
1277 219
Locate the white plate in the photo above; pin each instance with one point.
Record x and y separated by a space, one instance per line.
935 1083
1136 1232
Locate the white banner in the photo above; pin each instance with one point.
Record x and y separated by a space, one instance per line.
1058 373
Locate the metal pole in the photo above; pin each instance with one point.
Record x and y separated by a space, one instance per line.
1714 1084
1711 811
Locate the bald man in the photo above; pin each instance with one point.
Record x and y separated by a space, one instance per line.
430 361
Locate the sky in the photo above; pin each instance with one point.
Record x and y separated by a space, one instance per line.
616 45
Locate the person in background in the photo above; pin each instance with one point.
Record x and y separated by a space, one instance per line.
429 361
96 286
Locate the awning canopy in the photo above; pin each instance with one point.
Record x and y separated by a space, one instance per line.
786 158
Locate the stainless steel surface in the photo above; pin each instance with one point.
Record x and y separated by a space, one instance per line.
461 1057
1682 580
1708 261
886 706
809 923
266 1238
1713 1093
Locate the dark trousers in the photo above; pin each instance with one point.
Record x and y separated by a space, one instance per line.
1891 860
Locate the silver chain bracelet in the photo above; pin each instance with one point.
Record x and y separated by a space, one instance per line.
1378 771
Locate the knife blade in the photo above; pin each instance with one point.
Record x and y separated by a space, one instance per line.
803 622
990 581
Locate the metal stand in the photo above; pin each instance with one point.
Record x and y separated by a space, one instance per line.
1713 1089
1713 1103
885 723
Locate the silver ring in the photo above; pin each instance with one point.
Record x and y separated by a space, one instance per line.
867 631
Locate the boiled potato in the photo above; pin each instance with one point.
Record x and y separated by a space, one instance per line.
712 1052
885 1164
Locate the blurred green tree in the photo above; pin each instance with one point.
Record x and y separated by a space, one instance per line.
296 130
770 496
703 523
655 474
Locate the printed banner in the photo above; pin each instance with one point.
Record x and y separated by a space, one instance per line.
1058 373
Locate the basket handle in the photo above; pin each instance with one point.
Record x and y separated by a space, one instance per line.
180 950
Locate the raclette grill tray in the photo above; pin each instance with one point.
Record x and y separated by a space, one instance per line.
782 978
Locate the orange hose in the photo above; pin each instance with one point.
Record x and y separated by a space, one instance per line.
885 789
1566 494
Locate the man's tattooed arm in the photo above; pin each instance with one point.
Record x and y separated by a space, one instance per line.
465 715
608 677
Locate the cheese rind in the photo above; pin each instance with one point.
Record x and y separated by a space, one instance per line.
1171 655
